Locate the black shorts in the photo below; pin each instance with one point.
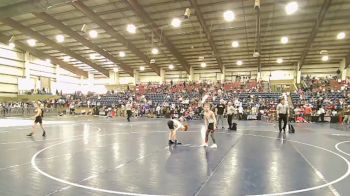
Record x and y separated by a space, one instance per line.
171 125
211 126
38 119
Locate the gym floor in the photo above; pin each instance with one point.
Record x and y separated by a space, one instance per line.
99 156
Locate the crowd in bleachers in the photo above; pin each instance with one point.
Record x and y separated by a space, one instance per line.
315 98
319 98
185 99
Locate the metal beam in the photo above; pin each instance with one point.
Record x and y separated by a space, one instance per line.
142 14
113 33
30 6
5 39
258 37
321 15
207 34
66 30
54 45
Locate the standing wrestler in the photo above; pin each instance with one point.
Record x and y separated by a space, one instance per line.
210 124
38 119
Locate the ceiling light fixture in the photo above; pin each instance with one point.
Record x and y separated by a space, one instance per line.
203 64
171 66
279 60
31 42
341 35
142 68
229 16
291 8
325 58
155 51
121 54
284 40
175 22
93 34
59 38
239 62
235 44
131 28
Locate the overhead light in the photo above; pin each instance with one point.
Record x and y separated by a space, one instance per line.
291 7
171 66
93 33
341 35
66 59
48 61
12 45
142 68
59 38
279 60
121 54
175 22
235 44
92 56
203 64
284 40
131 28
325 58
115 69
155 51
239 62
31 42
152 61
229 16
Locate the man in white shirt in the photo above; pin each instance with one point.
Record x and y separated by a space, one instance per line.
230 111
128 108
282 113
321 112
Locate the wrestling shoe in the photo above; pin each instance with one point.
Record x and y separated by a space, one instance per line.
214 146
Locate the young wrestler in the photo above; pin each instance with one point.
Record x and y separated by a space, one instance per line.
210 124
175 125
38 119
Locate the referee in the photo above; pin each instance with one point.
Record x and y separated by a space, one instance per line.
282 113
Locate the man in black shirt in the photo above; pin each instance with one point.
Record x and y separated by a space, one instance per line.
220 109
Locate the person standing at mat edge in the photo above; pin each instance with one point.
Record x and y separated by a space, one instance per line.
220 109
210 124
230 111
282 113
128 111
38 119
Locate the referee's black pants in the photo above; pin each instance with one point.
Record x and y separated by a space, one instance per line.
282 117
129 113
229 120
